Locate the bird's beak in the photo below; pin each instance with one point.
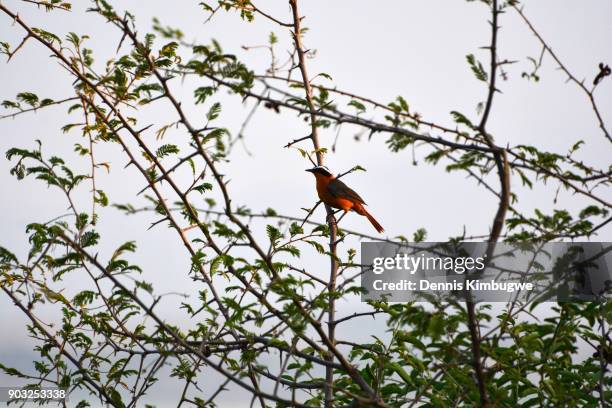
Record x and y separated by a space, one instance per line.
310 170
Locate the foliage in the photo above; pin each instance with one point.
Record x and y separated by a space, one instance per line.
266 304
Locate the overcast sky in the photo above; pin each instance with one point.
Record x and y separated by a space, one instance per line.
380 49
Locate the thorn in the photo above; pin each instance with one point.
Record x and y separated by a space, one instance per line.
144 128
157 222
143 190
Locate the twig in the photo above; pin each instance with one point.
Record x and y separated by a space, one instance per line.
580 84
34 109
294 141
501 161
314 136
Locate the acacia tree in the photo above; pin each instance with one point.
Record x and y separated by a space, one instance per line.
265 322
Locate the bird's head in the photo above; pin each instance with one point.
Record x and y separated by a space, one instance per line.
320 171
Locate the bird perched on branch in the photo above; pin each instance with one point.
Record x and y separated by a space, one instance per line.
335 193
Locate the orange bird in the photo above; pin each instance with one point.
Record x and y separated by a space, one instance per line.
336 194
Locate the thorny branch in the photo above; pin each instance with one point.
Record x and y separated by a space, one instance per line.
282 314
314 136
571 77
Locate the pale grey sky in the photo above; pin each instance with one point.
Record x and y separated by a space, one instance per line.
377 49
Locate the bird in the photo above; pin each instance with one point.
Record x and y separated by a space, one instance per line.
336 194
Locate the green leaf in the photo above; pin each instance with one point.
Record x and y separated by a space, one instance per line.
273 234
169 50
101 198
320 249
401 372
419 235
357 105
295 229
166 150
214 111
202 93
89 238
28 97
293 250
272 38
115 397
462 119
6 256
202 188
403 104
477 68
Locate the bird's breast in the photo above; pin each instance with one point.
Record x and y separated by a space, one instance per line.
329 199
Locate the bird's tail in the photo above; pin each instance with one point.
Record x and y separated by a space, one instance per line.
361 210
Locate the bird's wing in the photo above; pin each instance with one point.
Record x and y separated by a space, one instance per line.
341 190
